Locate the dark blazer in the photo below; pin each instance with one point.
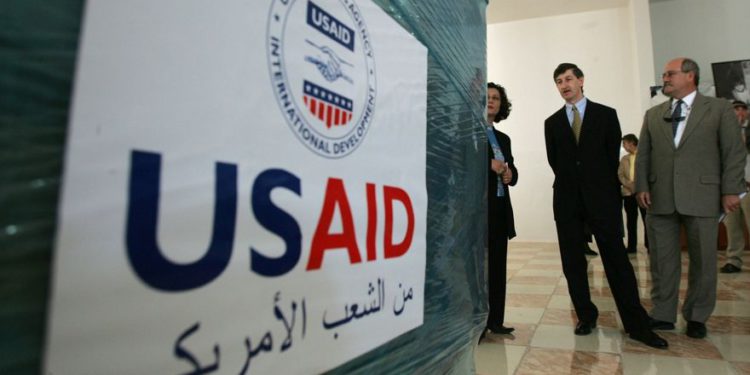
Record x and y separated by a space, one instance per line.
587 190
504 141
589 167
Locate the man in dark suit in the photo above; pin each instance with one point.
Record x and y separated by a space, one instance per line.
690 166
583 144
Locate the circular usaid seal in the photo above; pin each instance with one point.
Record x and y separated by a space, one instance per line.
322 71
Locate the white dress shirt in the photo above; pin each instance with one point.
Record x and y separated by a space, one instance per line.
687 107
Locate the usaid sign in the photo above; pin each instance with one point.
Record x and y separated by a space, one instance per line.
244 188
334 112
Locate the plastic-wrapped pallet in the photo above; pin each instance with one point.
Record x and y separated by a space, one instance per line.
246 187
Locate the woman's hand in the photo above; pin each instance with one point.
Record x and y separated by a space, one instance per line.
502 170
498 166
507 174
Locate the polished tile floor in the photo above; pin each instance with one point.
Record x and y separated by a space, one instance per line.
539 307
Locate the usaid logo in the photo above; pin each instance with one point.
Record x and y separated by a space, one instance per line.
322 70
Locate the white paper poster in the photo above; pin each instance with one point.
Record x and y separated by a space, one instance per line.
243 191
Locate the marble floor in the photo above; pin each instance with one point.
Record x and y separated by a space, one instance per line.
539 307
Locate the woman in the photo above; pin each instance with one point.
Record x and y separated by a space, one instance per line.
501 174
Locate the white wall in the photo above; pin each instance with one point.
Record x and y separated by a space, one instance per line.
522 55
706 30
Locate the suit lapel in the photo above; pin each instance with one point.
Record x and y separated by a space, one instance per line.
588 117
565 128
699 109
666 127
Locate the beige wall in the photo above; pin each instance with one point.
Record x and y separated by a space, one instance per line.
708 31
612 47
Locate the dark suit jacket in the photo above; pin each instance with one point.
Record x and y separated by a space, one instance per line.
504 141
589 168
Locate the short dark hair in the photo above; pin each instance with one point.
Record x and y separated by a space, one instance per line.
505 103
689 65
630 138
564 67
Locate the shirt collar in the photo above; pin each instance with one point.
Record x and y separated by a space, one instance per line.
581 104
688 99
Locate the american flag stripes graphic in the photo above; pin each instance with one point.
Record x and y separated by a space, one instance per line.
331 108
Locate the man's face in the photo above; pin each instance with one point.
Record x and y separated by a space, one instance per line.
677 84
741 113
569 86
628 146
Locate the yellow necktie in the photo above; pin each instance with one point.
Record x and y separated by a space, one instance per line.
631 172
576 123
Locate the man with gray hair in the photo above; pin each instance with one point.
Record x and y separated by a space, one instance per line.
689 169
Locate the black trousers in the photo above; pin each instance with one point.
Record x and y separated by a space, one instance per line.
607 230
497 258
631 207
